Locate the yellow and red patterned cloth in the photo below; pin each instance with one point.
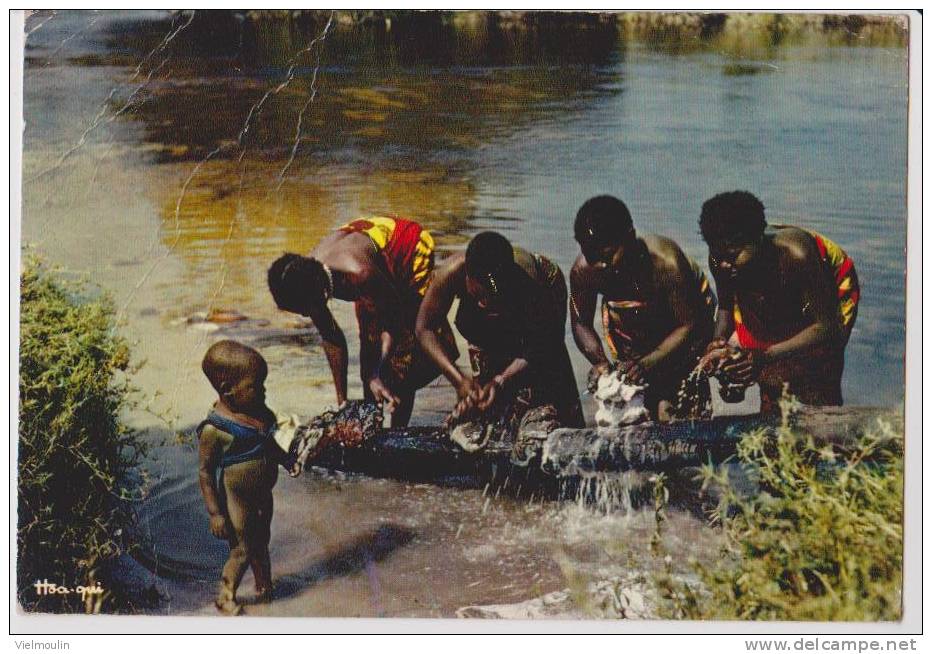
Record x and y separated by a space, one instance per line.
845 277
405 246
407 251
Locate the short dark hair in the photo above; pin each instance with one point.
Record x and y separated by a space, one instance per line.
296 281
490 258
603 218
733 216
225 362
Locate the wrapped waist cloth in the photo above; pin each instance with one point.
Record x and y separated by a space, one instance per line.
631 325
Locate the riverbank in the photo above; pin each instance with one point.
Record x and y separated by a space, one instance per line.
76 458
660 26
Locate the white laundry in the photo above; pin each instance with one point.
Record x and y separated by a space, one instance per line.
619 402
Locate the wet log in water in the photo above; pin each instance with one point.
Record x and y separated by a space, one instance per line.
412 453
427 452
690 443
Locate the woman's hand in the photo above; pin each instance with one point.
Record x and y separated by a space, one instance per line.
469 391
383 394
633 372
716 344
291 465
490 393
468 388
599 369
743 367
219 526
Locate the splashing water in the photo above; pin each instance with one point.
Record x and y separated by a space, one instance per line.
607 493
694 397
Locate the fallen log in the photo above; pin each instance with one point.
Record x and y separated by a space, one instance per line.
568 452
428 453
415 453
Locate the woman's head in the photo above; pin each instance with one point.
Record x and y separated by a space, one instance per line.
299 284
490 268
604 231
732 225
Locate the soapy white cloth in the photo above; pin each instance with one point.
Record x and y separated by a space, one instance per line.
619 403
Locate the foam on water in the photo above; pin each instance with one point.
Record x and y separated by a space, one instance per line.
620 403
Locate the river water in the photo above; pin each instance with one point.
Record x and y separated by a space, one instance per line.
169 159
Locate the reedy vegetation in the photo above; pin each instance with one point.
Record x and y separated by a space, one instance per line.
73 451
820 539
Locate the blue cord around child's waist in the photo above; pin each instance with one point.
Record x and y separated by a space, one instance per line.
249 443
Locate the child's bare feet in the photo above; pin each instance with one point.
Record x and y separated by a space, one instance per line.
229 606
264 596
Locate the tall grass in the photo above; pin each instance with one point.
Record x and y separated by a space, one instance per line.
73 451
822 539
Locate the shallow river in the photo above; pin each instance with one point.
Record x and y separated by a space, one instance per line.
171 159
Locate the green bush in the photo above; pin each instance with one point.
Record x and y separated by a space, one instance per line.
821 540
74 453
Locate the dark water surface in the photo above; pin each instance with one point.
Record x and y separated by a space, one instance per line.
170 159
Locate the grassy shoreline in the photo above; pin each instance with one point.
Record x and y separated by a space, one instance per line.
74 452
821 537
